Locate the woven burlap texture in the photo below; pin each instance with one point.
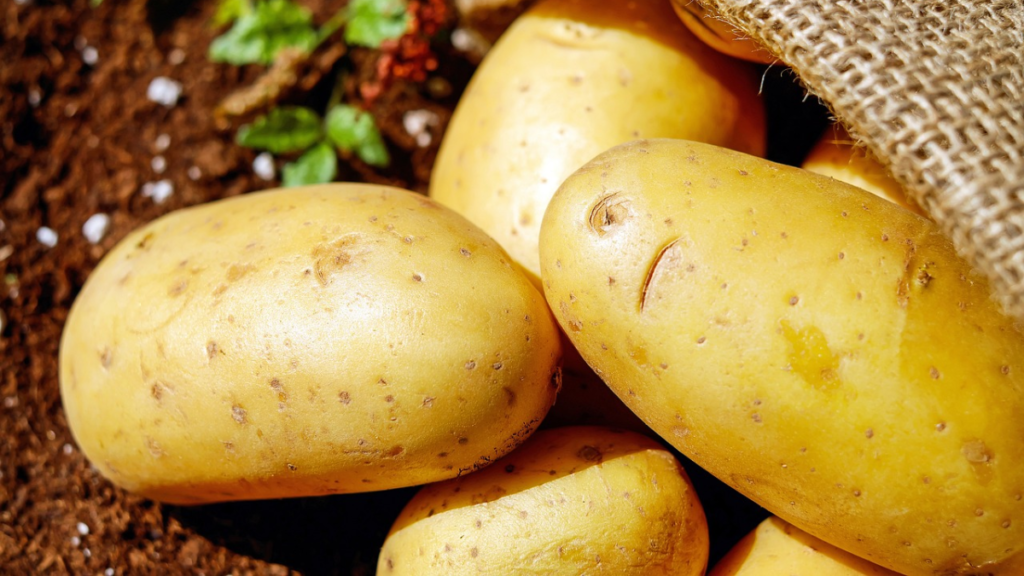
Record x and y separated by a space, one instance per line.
935 88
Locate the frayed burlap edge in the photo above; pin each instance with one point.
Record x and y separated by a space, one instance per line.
933 87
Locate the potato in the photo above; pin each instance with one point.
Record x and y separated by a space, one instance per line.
719 34
821 350
576 500
569 79
836 155
776 548
332 339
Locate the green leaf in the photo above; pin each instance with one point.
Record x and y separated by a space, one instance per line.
95 3
353 130
230 10
257 37
318 166
285 129
371 22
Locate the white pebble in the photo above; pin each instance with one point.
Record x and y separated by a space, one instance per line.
34 98
159 191
90 56
423 139
417 121
108 572
162 142
82 528
470 42
194 173
176 56
159 164
163 90
96 227
263 166
10 402
87 553
46 236
69 449
6 252
75 541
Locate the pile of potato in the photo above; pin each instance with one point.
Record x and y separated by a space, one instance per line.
598 213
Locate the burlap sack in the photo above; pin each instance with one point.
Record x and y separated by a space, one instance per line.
935 88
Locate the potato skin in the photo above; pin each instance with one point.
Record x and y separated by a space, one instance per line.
575 500
776 547
568 80
821 350
331 339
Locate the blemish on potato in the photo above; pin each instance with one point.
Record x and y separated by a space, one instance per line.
292 467
510 396
794 300
465 252
428 402
442 455
395 451
474 552
463 440
417 277
667 259
590 454
610 211
811 357
278 387
107 358
344 398
941 426
471 365
154 448
869 433
497 365
178 288
239 414
211 350
389 398
934 373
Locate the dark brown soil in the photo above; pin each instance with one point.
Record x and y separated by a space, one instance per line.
79 139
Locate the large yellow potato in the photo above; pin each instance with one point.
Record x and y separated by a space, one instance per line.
340 338
823 351
776 548
576 500
569 79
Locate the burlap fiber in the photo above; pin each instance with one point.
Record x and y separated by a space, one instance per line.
935 88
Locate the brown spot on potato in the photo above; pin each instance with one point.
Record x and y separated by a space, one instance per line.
292 467
940 426
278 387
934 373
395 451
1004 370
178 288
442 455
331 258
870 433
417 277
610 211
510 396
470 365
211 349
497 365
465 252
794 300
236 272
573 322
344 397
107 357
590 454
428 401
389 398
239 414
474 552
463 440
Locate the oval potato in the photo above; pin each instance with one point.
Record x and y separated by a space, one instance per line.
576 500
777 548
331 339
821 350
569 79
